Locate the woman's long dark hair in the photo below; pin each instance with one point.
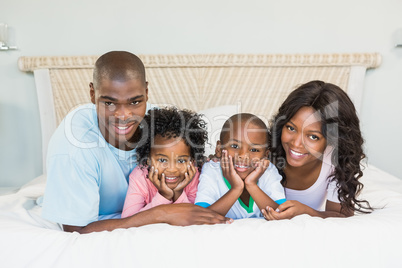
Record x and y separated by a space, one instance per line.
340 126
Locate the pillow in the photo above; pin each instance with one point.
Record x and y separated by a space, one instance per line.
215 117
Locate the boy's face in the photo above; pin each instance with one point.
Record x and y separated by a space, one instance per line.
170 156
246 143
120 106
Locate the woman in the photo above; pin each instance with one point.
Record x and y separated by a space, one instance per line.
317 148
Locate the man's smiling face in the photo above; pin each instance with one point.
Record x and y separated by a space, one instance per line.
120 106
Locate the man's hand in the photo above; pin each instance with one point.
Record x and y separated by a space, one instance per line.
161 185
188 214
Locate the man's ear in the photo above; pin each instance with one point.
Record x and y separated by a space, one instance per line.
92 92
218 149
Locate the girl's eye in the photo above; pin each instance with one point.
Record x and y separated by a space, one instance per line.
234 146
181 161
254 150
314 137
162 160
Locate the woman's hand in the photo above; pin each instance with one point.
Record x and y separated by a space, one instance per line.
229 172
161 185
287 210
188 177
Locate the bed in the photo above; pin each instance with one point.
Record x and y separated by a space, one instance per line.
217 86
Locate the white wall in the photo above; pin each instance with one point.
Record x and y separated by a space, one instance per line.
49 27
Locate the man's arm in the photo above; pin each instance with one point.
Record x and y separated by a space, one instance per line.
174 214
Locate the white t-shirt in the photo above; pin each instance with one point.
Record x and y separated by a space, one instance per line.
323 189
213 186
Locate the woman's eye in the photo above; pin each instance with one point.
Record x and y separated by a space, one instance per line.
234 146
290 128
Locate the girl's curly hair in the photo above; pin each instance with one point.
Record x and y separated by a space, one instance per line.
340 126
170 122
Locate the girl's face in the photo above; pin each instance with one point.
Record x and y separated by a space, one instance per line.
302 138
170 156
247 144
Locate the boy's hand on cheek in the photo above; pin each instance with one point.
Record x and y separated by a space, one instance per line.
229 172
254 176
161 185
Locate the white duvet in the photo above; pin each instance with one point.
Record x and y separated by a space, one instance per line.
374 240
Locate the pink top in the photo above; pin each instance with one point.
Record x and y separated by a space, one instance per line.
143 195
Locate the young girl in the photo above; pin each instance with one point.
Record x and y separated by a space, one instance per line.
244 182
317 147
169 153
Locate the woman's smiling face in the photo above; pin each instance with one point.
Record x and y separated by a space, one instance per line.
302 138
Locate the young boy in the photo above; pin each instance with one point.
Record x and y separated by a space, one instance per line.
244 181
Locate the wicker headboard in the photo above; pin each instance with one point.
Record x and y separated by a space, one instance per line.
256 83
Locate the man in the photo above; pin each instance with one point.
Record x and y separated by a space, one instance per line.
92 153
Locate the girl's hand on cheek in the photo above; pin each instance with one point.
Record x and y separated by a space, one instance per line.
188 177
161 185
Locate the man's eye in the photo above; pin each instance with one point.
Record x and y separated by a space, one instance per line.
108 103
135 102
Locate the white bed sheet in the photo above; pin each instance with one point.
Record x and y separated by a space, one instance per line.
27 240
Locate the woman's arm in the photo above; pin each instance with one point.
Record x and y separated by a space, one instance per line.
293 208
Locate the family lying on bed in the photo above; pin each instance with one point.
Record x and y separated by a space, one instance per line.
110 158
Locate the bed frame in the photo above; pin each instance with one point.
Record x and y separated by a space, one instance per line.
254 83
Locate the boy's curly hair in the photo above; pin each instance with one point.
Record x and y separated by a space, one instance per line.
171 122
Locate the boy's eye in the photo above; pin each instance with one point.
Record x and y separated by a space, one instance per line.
234 146
108 103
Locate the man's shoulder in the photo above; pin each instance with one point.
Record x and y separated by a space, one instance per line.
78 130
